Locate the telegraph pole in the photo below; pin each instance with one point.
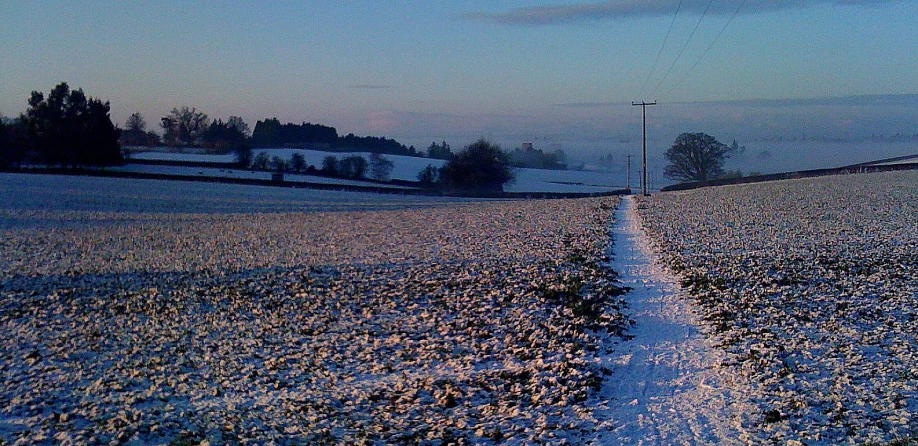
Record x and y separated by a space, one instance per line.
629 171
644 116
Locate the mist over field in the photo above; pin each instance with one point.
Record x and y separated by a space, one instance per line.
779 134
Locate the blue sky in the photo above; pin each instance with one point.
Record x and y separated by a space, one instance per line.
513 71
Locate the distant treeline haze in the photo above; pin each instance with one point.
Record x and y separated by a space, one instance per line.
69 129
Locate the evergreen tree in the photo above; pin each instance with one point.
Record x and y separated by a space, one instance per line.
69 129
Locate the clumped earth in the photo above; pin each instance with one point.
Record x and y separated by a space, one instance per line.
812 287
478 323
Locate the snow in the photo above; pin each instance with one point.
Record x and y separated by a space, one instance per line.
543 180
53 193
405 168
809 286
242 174
667 385
527 180
903 160
776 313
151 312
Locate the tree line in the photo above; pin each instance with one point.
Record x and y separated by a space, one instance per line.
480 168
271 133
188 127
353 167
67 128
527 156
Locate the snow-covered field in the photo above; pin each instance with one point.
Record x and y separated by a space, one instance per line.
527 180
900 160
45 195
242 174
128 314
405 168
811 287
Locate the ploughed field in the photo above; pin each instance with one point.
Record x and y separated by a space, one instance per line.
477 321
812 287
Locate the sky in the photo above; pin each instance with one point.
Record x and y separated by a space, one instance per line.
560 74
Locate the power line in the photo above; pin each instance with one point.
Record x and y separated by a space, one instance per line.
689 72
665 39
678 56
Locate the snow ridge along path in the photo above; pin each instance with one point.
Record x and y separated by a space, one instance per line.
668 385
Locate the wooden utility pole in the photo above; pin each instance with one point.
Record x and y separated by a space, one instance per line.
644 116
629 171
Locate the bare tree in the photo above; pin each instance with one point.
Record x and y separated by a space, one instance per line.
354 166
184 126
696 157
380 167
297 162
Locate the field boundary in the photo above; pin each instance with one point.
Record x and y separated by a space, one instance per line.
845 170
311 185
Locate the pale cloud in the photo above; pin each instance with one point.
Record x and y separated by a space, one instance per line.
370 86
624 9
588 104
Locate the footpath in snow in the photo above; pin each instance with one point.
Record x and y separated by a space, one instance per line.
666 386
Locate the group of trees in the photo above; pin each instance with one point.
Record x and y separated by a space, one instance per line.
440 151
271 133
375 144
527 156
226 137
184 127
379 167
482 167
12 150
188 127
135 132
354 167
69 129
66 129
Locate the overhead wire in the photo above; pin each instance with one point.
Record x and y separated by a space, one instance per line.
679 56
689 72
657 59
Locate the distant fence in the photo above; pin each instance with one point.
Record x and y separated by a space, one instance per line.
846 170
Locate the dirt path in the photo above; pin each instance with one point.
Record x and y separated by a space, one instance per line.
666 386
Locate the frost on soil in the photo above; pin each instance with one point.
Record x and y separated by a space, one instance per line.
469 321
810 286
